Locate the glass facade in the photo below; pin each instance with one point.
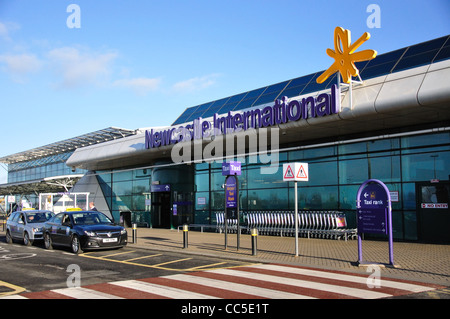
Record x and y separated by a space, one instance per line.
336 172
141 194
126 192
54 165
406 164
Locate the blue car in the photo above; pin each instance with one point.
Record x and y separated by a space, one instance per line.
82 230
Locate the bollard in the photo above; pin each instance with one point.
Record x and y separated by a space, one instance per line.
134 225
254 233
185 236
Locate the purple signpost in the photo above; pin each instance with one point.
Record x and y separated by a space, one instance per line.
374 214
231 170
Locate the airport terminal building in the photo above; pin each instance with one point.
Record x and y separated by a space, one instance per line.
393 126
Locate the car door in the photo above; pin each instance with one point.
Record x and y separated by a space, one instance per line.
52 228
20 226
12 224
63 230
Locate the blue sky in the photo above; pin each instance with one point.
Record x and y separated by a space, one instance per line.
140 63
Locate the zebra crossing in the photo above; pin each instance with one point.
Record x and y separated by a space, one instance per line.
270 281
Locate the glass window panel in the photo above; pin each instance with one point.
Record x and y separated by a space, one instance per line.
105 177
227 107
397 225
217 180
201 166
292 92
425 140
276 88
258 180
199 111
215 107
444 54
141 186
312 153
425 46
138 203
255 93
415 60
236 98
202 182
202 201
383 145
315 198
122 203
267 199
301 80
313 86
353 148
217 200
386 169
142 173
377 70
122 188
184 116
408 195
347 197
353 171
390 57
122 176
427 166
410 225
323 173
245 103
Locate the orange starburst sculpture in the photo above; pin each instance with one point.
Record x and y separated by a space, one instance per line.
344 55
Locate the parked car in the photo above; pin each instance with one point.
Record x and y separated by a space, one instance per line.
81 230
27 225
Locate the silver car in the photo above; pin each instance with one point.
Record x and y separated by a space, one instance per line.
27 225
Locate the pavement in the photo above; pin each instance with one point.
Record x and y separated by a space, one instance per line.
428 263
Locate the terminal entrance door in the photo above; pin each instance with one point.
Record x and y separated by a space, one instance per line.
433 201
161 211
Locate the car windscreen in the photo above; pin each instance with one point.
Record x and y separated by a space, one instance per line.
90 218
38 217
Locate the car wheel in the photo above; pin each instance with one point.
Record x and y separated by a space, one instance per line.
8 237
26 239
48 241
76 245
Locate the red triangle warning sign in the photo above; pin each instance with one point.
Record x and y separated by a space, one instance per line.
289 173
302 173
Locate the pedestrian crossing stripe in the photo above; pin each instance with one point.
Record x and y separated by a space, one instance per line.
257 281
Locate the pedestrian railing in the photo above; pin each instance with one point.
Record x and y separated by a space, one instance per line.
311 224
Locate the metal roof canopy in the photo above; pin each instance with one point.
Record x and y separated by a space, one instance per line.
48 184
71 144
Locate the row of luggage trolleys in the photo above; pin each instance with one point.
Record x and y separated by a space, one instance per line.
315 224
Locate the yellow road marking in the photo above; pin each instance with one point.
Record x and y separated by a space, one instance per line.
117 254
207 266
15 289
171 262
143 257
160 266
134 264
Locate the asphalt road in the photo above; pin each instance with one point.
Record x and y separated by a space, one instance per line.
32 269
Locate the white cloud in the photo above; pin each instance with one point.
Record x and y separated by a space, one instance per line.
20 65
196 84
5 28
77 68
141 86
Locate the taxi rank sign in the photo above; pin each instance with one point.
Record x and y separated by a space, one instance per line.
374 214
